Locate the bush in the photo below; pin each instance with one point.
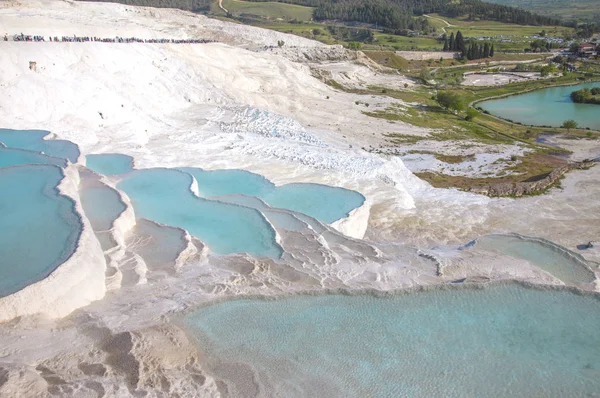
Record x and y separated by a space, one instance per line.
354 45
569 124
450 101
471 114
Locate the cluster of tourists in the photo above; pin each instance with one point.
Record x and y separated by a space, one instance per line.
23 37
81 39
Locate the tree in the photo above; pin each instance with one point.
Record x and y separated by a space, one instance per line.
492 51
354 45
280 43
460 43
569 124
574 48
450 101
452 43
539 44
445 45
546 70
426 75
471 114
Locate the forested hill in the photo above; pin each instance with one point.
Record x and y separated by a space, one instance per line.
392 14
396 14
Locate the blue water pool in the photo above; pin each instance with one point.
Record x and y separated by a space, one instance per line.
228 182
163 196
540 253
501 341
16 157
325 203
109 164
33 140
102 206
546 107
39 228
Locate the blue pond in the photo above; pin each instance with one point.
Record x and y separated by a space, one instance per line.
164 196
542 254
16 157
325 203
546 107
39 228
501 341
33 140
109 164
102 205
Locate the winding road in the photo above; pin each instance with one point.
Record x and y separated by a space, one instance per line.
448 24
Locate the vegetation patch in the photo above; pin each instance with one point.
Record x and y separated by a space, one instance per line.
586 96
452 159
531 167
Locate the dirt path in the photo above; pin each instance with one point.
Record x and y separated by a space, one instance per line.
439 19
221 6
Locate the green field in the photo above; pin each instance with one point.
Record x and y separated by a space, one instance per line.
494 28
271 10
567 9
519 35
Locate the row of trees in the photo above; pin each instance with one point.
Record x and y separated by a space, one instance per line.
373 12
478 51
469 50
538 45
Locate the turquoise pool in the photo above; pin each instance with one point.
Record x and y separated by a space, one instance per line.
325 203
546 107
102 206
557 262
501 341
33 140
109 164
39 228
164 196
16 157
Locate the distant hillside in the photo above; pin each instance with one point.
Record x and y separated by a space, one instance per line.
399 14
585 10
391 14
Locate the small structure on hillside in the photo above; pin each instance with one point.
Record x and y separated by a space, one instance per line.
587 50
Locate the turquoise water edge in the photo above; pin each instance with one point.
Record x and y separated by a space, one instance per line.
109 164
164 196
39 227
546 107
499 341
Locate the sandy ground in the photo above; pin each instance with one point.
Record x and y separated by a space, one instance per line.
425 55
238 104
497 79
